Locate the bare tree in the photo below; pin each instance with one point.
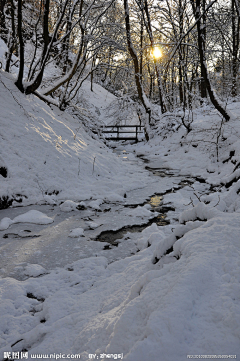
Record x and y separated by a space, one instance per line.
144 9
11 37
3 28
19 82
201 48
135 60
235 45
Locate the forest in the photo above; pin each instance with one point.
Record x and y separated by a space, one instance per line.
173 53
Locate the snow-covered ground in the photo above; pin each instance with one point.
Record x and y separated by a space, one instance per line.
163 294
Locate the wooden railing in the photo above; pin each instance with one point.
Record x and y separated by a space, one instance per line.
117 132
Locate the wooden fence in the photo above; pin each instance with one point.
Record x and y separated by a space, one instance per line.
115 132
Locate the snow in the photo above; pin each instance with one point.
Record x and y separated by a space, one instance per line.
201 211
76 232
96 102
5 223
189 306
95 204
163 293
68 206
32 216
68 164
34 270
150 235
92 225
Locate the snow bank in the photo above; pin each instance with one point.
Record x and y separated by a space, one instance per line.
174 308
150 235
190 306
201 211
49 157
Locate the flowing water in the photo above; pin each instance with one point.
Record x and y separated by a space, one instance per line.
114 237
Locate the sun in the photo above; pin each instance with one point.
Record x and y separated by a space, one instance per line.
157 53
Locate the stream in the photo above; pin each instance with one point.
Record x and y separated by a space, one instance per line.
116 229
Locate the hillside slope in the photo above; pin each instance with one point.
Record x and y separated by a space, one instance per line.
47 151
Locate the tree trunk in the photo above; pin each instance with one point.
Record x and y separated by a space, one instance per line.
235 47
19 82
133 54
12 39
201 50
180 83
3 28
81 52
180 62
203 88
141 47
93 65
65 45
159 80
37 81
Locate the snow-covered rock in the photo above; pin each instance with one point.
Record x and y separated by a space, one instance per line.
76 232
33 216
68 206
5 223
92 225
34 270
96 204
141 212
